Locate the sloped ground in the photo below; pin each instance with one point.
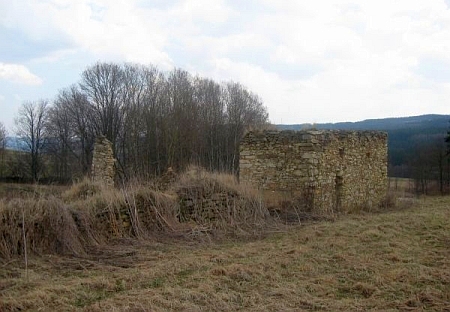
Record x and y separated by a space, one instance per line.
398 260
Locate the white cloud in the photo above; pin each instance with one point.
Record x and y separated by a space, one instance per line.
118 31
216 47
278 94
366 55
55 56
363 59
201 10
19 74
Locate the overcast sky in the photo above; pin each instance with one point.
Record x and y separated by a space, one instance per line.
310 61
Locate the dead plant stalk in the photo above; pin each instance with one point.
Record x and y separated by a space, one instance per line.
24 244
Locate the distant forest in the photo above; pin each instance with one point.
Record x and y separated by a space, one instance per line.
154 119
418 146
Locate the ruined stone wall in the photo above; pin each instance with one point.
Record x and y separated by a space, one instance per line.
353 170
102 169
331 170
281 164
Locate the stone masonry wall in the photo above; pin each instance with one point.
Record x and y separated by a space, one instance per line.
102 169
331 170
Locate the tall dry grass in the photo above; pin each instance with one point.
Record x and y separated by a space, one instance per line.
49 226
219 200
88 213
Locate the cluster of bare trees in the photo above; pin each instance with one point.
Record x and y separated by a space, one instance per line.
430 165
154 120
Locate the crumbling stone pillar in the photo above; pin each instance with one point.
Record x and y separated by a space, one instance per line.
102 169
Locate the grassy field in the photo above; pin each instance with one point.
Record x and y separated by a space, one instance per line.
391 261
401 185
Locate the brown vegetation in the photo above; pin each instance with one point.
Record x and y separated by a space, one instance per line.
88 213
161 246
393 261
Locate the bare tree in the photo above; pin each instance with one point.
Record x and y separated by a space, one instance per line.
153 156
103 86
2 137
31 127
182 119
212 142
2 148
244 111
129 151
429 165
71 123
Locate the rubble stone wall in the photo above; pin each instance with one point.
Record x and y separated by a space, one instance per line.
331 170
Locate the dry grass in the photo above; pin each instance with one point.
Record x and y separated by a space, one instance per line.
10 191
401 185
198 205
48 224
84 189
393 261
218 201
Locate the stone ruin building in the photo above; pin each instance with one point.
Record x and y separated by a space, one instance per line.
102 169
330 171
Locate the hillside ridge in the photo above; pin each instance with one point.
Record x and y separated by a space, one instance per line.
391 123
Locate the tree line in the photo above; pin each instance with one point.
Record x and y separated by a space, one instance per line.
427 164
430 166
154 119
